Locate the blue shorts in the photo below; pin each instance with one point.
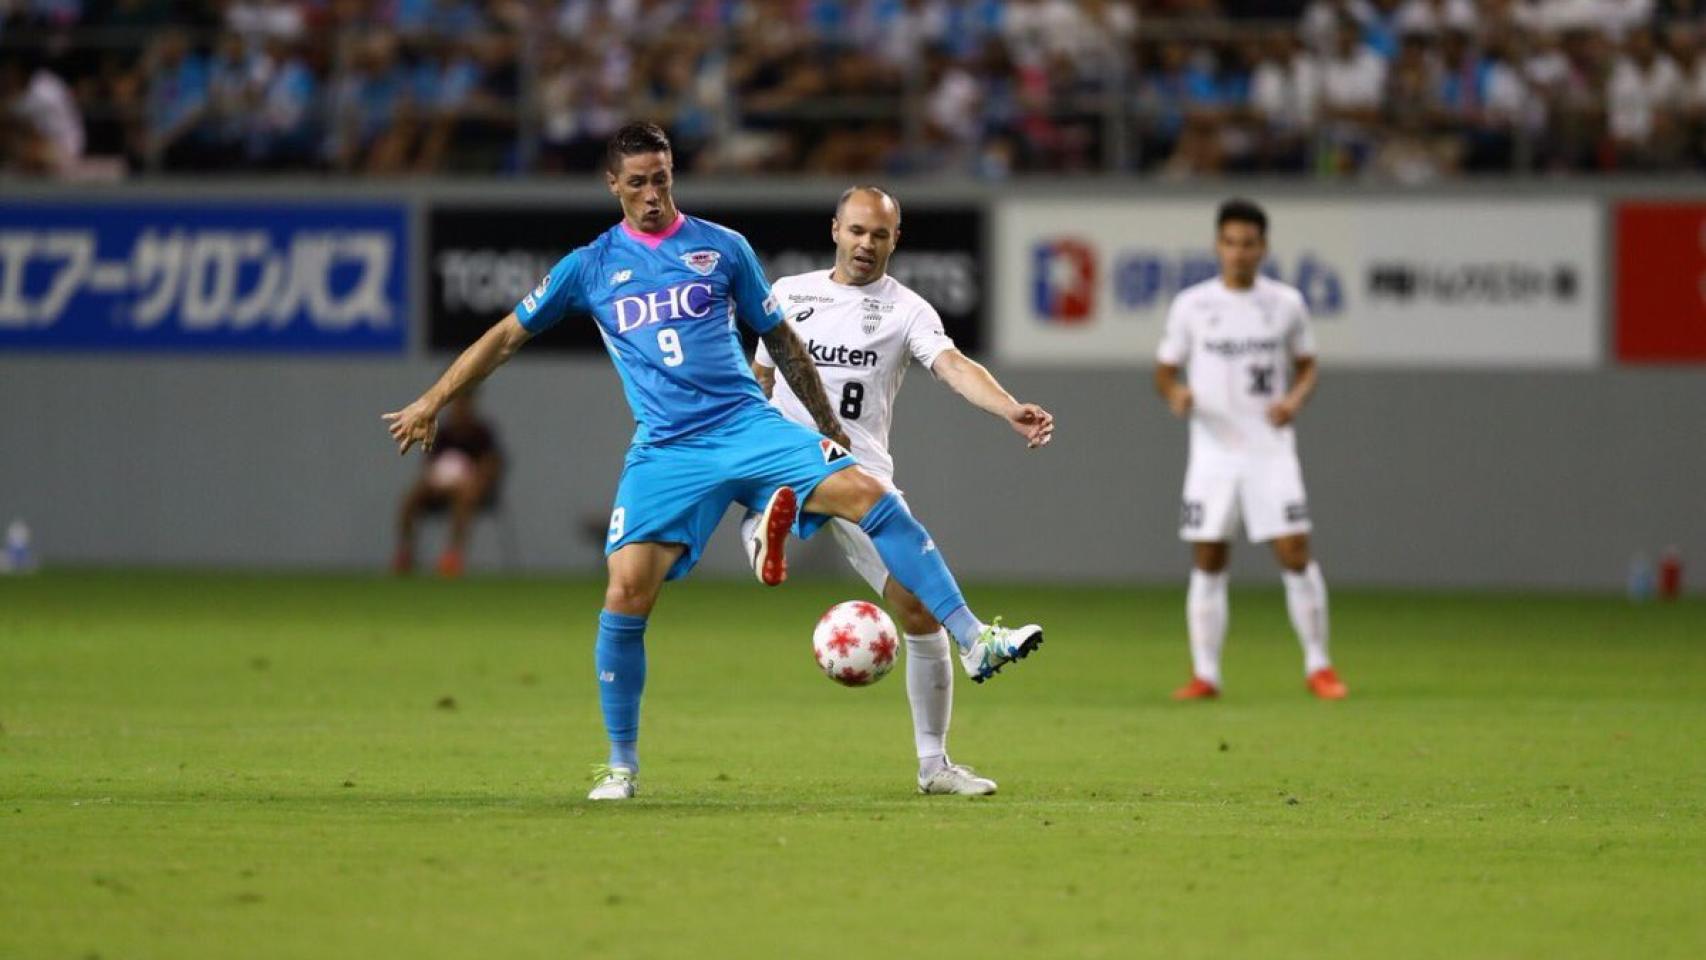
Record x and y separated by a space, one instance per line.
678 491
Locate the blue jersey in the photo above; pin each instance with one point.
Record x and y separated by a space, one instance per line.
666 305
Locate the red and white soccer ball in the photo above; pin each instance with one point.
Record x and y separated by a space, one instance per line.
855 643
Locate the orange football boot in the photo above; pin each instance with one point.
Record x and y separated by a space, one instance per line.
1324 683
1197 689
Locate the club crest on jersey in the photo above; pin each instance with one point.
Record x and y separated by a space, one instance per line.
832 451
620 277
870 322
701 262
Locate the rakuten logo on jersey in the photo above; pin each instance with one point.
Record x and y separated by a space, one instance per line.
840 355
685 301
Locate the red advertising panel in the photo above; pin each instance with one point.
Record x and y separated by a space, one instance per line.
1661 283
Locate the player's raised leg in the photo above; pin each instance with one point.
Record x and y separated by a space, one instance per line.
1306 601
764 534
1206 615
637 573
913 560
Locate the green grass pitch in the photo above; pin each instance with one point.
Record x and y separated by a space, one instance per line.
228 766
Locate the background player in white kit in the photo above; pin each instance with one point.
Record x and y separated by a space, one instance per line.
1248 353
863 328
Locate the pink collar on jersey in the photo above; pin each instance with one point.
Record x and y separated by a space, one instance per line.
655 240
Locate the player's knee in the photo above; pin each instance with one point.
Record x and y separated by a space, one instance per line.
848 494
629 597
1210 557
863 492
1292 553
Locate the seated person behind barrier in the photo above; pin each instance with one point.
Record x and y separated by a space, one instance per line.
461 475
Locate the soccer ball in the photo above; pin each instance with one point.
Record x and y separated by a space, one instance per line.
855 643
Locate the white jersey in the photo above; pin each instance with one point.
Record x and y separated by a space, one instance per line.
862 339
1237 349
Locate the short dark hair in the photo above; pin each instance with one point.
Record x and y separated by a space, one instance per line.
847 195
1239 210
632 140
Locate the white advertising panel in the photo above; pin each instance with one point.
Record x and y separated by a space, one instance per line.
1394 283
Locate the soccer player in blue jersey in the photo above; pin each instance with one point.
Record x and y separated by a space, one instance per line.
666 290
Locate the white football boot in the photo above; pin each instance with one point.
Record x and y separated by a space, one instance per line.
765 535
998 646
614 783
957 780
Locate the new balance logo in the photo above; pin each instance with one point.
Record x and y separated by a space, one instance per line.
929 545
620 277
606 676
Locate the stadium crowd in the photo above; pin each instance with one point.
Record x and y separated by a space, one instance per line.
1405 90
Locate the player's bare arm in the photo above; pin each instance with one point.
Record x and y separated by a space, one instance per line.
766 377
795 363
418 422
1303 379
1172 389
972 380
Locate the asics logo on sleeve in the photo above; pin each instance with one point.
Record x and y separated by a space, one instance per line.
685 301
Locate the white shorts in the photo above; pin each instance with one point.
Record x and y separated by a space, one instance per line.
1265 492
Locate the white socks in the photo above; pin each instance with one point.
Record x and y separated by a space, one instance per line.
1306 601
1206 615
930 690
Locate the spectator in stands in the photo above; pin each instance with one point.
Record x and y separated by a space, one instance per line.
1644 96
176 103
1285 91
232 98
1353 84
1181 86
377 116
286 125
462 473
41 128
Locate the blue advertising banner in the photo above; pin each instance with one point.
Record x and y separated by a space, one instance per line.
204 276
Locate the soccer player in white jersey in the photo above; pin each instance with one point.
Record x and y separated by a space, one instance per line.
1245 345
863 328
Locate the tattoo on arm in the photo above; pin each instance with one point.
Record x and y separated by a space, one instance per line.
794 362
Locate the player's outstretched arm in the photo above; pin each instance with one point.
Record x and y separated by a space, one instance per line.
795 363
972 380
418 422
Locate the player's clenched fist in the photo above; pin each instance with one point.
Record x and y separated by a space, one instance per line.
1179 400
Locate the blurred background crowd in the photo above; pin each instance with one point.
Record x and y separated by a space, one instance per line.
1402 90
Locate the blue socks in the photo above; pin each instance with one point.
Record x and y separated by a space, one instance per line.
912 557
621 658
963 627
